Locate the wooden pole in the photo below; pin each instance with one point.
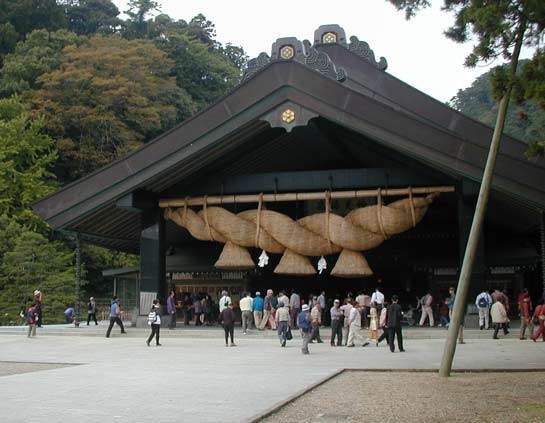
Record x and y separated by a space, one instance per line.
478 218
302 196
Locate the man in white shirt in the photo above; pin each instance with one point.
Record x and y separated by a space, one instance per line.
378 299
483 303
321 300
225 300
246 304
427 311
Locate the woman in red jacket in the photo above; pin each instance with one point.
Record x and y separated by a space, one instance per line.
540 314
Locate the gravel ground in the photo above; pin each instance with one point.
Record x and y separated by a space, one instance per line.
421 397
17 367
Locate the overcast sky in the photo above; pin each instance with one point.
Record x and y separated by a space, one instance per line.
417 51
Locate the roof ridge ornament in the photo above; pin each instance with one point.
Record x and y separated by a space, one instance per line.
362 49
290 48
321 62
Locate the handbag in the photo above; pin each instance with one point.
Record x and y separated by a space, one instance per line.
289 336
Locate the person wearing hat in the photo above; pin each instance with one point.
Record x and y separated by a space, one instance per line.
303 321
92 311
337 320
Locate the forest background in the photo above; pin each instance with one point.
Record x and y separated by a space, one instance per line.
80 86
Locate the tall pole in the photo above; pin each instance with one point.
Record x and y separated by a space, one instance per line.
478 218
78 273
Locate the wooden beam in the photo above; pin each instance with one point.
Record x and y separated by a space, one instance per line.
302 196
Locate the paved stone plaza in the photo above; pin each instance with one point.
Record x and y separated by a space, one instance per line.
194 378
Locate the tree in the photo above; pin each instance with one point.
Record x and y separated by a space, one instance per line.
137 26
35 263
501 28
20 17
107 98
40 53
89 17
525 120
27 155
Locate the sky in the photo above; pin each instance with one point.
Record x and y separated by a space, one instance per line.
416 50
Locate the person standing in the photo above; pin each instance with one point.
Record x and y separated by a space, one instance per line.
483 303
450 301
346 308
257 307
499 318
303 321
92 311
316 321
378 298
227 319
321 300
295 307
38 300
171 309
354 327
225 300
539 314
268 310
383 323
337 321
525 307
373 324
427 312
246 305
31 319
115 316
197 310
154 320
394 324
282 321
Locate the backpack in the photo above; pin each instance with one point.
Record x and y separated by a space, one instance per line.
152 317
483 302
303 323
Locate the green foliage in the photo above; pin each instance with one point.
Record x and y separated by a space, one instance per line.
525 120
20 17
107 97
26 154
35 263
89 17
38 54
497 27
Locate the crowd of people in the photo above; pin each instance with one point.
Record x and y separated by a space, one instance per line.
347 318
494 309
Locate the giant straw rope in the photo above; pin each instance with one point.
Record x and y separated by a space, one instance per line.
319 234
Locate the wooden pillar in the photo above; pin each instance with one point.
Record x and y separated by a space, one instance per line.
152 254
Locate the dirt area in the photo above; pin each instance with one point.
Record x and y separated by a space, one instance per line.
421 397
16 367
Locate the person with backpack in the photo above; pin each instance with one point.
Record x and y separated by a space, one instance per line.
303 321
154 320
31 319
483 303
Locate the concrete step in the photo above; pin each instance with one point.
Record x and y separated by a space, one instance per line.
215 331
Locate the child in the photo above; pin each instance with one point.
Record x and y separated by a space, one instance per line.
373 324
154 320
31 318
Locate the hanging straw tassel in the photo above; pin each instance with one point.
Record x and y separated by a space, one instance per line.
294 264
351 264
234 257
